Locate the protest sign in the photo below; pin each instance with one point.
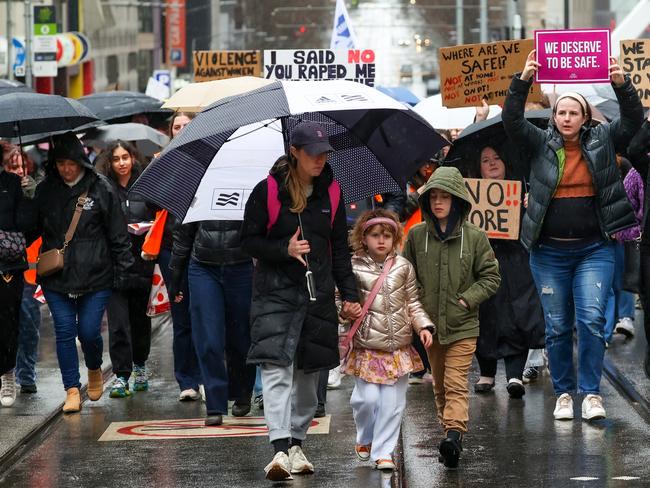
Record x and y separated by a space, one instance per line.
321 64
573 56
635 60
217 65
471 72
496 206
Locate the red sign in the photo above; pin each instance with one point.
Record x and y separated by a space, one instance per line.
175 33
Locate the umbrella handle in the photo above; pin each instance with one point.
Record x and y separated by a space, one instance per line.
20 146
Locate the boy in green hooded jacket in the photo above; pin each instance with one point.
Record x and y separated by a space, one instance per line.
456 270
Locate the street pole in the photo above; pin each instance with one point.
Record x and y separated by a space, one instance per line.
566 14
28 43
459 22
10 43
484 21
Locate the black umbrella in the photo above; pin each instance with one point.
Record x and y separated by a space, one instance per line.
110 106
23 114
12 86
379 142
464 152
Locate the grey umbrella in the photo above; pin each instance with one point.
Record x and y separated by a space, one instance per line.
147 140
12 86
23 114
110 106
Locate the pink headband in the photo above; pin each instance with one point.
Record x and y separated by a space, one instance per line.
379 220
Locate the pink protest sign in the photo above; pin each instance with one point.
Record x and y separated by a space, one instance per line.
573 56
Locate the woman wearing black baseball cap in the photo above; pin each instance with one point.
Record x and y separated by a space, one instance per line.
295 226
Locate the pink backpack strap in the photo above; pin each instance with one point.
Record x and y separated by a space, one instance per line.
272 202
334 191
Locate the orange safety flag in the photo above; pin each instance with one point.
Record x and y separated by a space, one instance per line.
153 239
32 258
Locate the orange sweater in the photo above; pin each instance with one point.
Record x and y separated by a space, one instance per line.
576 180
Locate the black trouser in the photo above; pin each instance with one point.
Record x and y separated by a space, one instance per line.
323 375
422 352
11 294
129 330
644 293
514 365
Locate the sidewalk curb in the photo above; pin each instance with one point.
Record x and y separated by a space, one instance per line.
625 387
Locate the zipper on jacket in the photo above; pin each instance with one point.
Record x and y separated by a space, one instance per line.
561 159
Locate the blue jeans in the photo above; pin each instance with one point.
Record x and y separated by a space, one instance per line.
28 335
80 317
220 305
620 302
186 366
573 285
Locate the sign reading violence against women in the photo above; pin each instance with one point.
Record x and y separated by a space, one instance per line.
321 64
496 206
573 56
471 72
217 65
635 60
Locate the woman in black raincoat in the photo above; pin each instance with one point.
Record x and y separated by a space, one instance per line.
293 337
511 321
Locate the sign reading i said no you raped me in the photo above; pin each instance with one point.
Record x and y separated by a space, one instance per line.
573 55
496 206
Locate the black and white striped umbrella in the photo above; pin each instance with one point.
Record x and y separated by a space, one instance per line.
208 171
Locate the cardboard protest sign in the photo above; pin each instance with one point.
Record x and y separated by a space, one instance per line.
217 65
496 206
635 60
573 56
470 72
321 64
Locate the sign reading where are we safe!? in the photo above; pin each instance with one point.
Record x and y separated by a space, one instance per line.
573 55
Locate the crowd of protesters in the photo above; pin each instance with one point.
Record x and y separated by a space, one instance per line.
409 291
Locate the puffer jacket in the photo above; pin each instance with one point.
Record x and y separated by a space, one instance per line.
12 207
639 154
99 255
210 242
599 147
286 327
396 310
462 265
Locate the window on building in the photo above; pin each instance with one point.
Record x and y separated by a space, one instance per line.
112 70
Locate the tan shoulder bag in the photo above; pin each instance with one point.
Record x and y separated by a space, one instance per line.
50 262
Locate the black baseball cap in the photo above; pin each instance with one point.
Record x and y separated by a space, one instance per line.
312 137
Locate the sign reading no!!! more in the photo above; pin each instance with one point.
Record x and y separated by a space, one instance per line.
217 65
321 64
635 61
471 72
572 56
496 206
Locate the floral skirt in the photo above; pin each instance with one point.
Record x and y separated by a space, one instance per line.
382 367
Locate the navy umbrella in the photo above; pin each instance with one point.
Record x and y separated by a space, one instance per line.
379 143
118 105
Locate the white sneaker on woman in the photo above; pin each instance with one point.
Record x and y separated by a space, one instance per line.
298 461
625 326
563 407
279 469
8 390
592 407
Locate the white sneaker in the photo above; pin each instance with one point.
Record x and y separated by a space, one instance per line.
625 326
189 395
334 378
592 408
202 392
279 469
8 390
563 407
298 461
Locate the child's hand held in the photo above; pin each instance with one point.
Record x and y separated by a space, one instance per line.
426 338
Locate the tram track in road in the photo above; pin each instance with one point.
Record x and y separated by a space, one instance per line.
626 388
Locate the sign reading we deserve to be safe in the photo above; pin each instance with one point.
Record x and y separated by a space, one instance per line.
573 55
496 206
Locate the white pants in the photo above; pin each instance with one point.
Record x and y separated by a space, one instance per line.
290 400
378 413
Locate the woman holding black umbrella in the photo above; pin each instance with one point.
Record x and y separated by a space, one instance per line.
302 253
511 321
96 259
575 203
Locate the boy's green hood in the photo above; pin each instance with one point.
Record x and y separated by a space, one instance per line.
449 179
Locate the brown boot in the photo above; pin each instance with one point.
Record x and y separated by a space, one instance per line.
73 401
95 384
